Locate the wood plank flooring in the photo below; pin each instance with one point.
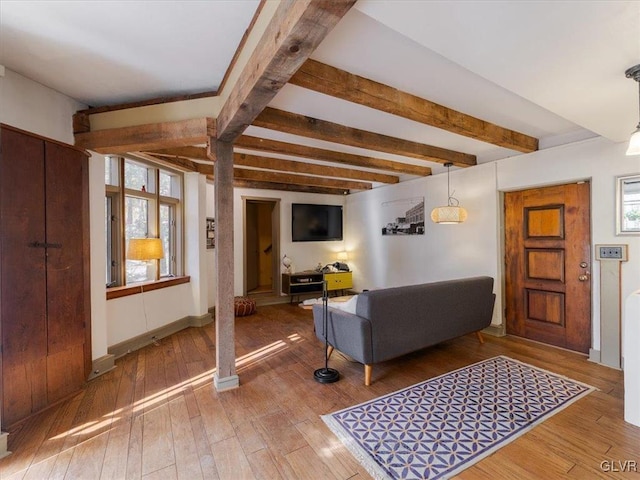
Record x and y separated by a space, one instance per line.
157 415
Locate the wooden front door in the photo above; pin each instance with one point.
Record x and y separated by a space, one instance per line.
548 265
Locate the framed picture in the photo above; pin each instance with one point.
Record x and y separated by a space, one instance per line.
211 233
628 205
403 217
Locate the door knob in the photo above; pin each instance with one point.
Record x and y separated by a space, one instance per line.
583 278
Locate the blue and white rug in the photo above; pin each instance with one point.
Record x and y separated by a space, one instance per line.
436 428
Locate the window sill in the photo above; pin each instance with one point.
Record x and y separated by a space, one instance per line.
117 292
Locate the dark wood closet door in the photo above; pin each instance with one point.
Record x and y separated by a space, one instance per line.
65 174
23 279
44 276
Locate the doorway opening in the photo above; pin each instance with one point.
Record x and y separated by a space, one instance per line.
261 246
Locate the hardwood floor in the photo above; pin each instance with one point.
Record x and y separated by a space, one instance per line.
157 416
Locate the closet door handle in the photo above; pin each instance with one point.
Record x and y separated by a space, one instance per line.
45 245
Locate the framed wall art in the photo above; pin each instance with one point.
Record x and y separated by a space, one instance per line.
211 233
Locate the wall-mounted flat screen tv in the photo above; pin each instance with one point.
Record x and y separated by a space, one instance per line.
316 223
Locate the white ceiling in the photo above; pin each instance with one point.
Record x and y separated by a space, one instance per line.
553 70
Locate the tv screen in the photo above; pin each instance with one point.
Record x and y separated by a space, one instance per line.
316 223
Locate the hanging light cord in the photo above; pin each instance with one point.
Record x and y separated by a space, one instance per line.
451 201
634 72
637 79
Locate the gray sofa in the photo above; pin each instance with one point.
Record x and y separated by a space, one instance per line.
395 321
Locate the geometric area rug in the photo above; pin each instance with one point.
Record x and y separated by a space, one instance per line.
439 427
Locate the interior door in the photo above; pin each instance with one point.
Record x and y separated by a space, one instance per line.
548 264
44 261
252 265
23 291
66 293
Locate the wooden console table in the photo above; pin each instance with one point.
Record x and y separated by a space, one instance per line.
312 282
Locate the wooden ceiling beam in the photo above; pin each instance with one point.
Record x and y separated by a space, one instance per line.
147 137
303 151
328 80
268 163
278 177
297 124
295 30
288 187
179 163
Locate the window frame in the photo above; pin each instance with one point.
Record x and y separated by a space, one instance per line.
117 194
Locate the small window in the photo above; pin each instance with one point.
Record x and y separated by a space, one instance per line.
148 212
138 177
628 205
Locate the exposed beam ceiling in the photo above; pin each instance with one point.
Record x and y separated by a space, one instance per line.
296 124
303 151
338 83
279 177
296 150
288 187
268 163
259 178
294 32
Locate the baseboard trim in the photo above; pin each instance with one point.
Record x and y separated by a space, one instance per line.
3 445
102 365
201 320
226 383
153 336
495 330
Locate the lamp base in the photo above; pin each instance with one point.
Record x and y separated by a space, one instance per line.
326 375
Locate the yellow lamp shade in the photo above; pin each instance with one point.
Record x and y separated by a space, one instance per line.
343 256
448 214
144 249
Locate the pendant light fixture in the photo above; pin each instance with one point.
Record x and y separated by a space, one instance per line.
634 141
452 212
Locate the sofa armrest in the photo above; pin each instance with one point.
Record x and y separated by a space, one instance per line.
348 333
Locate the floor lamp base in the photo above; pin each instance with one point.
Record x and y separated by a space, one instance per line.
326 375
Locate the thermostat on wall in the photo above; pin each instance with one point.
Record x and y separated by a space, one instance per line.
612 252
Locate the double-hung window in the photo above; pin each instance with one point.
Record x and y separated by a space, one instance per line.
143 200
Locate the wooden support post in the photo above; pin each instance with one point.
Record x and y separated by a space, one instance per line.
225 377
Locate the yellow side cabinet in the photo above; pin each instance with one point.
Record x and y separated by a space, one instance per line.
339 281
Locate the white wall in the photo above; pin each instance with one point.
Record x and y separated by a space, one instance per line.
599 161
444 251
304 255
134 315
473 248
30 106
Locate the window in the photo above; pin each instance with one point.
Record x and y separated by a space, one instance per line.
628 205
141 210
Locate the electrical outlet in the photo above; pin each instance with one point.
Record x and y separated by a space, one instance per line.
611 252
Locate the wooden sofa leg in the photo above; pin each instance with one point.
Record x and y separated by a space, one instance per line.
479 335
367 374
329 351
